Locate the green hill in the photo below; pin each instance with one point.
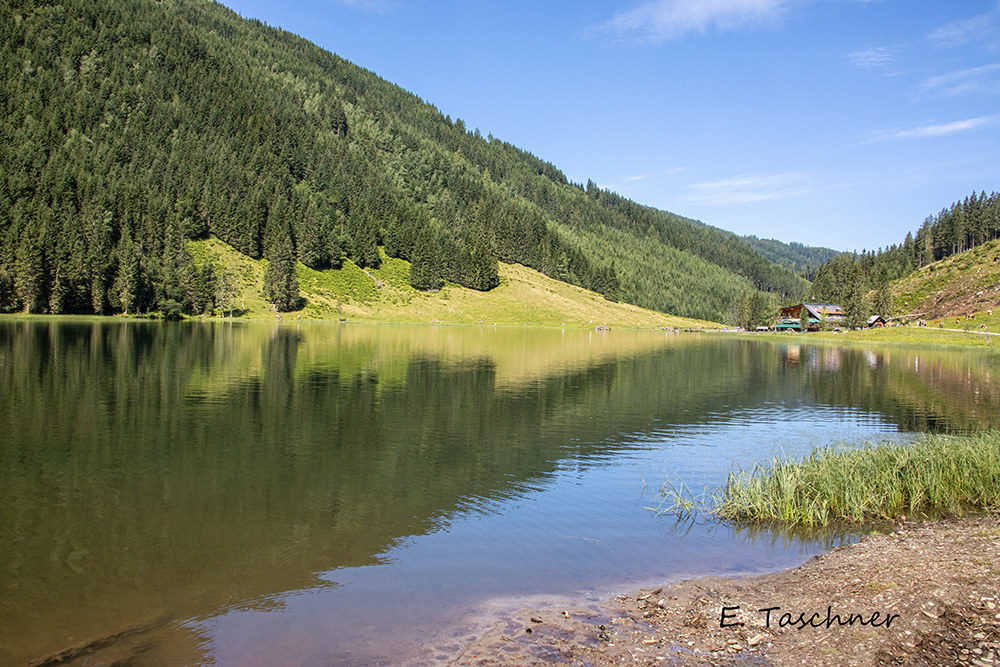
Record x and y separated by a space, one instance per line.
962 284
802 259
384 294
967 225
131 127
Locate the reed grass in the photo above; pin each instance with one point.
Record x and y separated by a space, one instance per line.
937 475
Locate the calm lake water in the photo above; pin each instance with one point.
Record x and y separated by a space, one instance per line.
253 494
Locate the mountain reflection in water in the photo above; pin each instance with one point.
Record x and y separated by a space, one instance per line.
334 492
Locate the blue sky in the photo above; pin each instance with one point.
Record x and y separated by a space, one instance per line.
841 123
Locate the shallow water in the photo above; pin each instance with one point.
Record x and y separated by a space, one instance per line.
349 494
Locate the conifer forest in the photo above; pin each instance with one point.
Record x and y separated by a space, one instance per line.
132 126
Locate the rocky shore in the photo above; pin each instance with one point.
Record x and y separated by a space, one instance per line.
925 594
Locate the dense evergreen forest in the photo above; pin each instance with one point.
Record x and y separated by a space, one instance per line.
802 259
849 277
131 126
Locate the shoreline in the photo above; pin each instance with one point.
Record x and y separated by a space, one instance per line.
925 594
869 338
215 319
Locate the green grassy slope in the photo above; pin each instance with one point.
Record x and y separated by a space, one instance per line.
525 297
968 282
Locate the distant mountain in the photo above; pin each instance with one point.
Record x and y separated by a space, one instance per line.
128 127
801 259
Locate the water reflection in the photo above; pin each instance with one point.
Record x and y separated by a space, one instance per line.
918 390
209 469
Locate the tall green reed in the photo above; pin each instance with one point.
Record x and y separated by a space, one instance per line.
936 475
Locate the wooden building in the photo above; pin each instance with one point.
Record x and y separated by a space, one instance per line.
815 314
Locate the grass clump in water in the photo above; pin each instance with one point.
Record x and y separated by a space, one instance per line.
936 475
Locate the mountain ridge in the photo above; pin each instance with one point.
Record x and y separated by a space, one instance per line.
131 126
802 259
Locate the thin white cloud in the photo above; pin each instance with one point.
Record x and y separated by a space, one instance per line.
872 57
624 182
747 189
664 20
959 33
965 81
945 129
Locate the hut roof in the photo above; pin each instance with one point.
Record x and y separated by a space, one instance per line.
830 310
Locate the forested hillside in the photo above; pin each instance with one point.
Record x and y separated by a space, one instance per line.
963 226
131 126
802 259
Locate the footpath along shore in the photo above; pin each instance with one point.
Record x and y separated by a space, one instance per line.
925 594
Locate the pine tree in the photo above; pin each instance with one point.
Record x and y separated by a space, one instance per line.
855 302
172 296
338 120
29 277
312 249
425 268
226 291
762 308
336 248
744 316
281 284
127 281
611 284
202 288
484 270
883 303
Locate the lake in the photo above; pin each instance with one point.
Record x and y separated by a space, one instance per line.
258 494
